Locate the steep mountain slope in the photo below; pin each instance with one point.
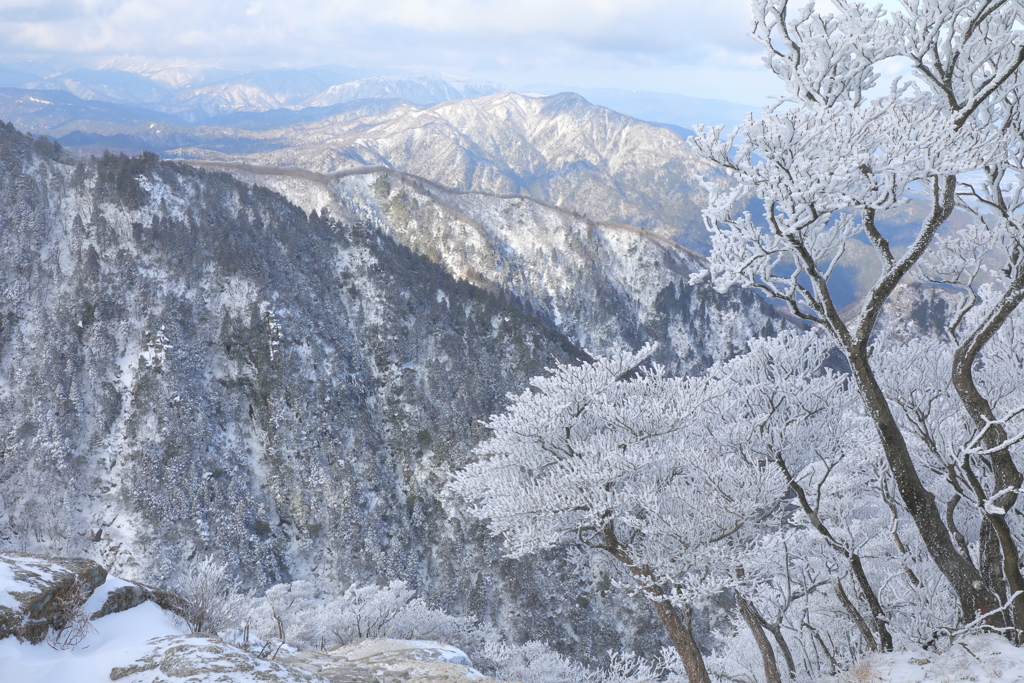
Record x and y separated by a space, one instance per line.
559 149
191 365
605 286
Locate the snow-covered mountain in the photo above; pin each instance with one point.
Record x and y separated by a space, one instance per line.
559 149
606 286
190 364
196 94
672 108
423 89
264 91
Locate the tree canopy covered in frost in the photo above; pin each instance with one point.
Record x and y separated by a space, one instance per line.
824 164
310 615
854 487
619 467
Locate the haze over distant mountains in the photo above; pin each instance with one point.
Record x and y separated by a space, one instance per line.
611 155
197 94
466 135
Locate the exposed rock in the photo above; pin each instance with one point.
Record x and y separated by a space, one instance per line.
125 597
34 591
204 658
392 661
121 599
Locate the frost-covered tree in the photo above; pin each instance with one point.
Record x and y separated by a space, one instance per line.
853 577
823 167
612 459
656 472
210 600
305 614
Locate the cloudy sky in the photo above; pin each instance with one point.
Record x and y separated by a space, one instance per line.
695 47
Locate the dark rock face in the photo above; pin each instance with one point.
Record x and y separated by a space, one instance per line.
121 599
125 597
40 587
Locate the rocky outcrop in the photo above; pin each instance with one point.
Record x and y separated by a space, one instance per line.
391 661
133 594
204 658
36 590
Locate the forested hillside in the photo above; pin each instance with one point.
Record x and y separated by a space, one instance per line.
191 365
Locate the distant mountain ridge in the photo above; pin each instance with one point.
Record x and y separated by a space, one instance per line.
195 95
659 107
559 149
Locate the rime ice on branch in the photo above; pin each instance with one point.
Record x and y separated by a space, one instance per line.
822 166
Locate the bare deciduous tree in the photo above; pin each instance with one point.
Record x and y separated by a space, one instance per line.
211 600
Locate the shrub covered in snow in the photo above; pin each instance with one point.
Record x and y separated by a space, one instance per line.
211 601
310 615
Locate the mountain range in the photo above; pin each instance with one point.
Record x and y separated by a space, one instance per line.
284 373
198 94
195 95
559 149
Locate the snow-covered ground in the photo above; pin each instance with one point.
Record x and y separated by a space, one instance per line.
118 640
986 658
146 644
143 644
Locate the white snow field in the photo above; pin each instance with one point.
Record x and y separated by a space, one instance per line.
143 644
119 640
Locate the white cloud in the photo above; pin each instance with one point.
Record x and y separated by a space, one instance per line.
508 40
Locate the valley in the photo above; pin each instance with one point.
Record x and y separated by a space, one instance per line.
190 364
367 375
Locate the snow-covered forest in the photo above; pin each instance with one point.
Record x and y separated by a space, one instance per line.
846 489
373 416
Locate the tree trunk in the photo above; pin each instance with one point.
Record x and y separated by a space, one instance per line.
1007 478
920 503
754 622
878 617
678 624
855 615
676 620
991 556
961 573
776 630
